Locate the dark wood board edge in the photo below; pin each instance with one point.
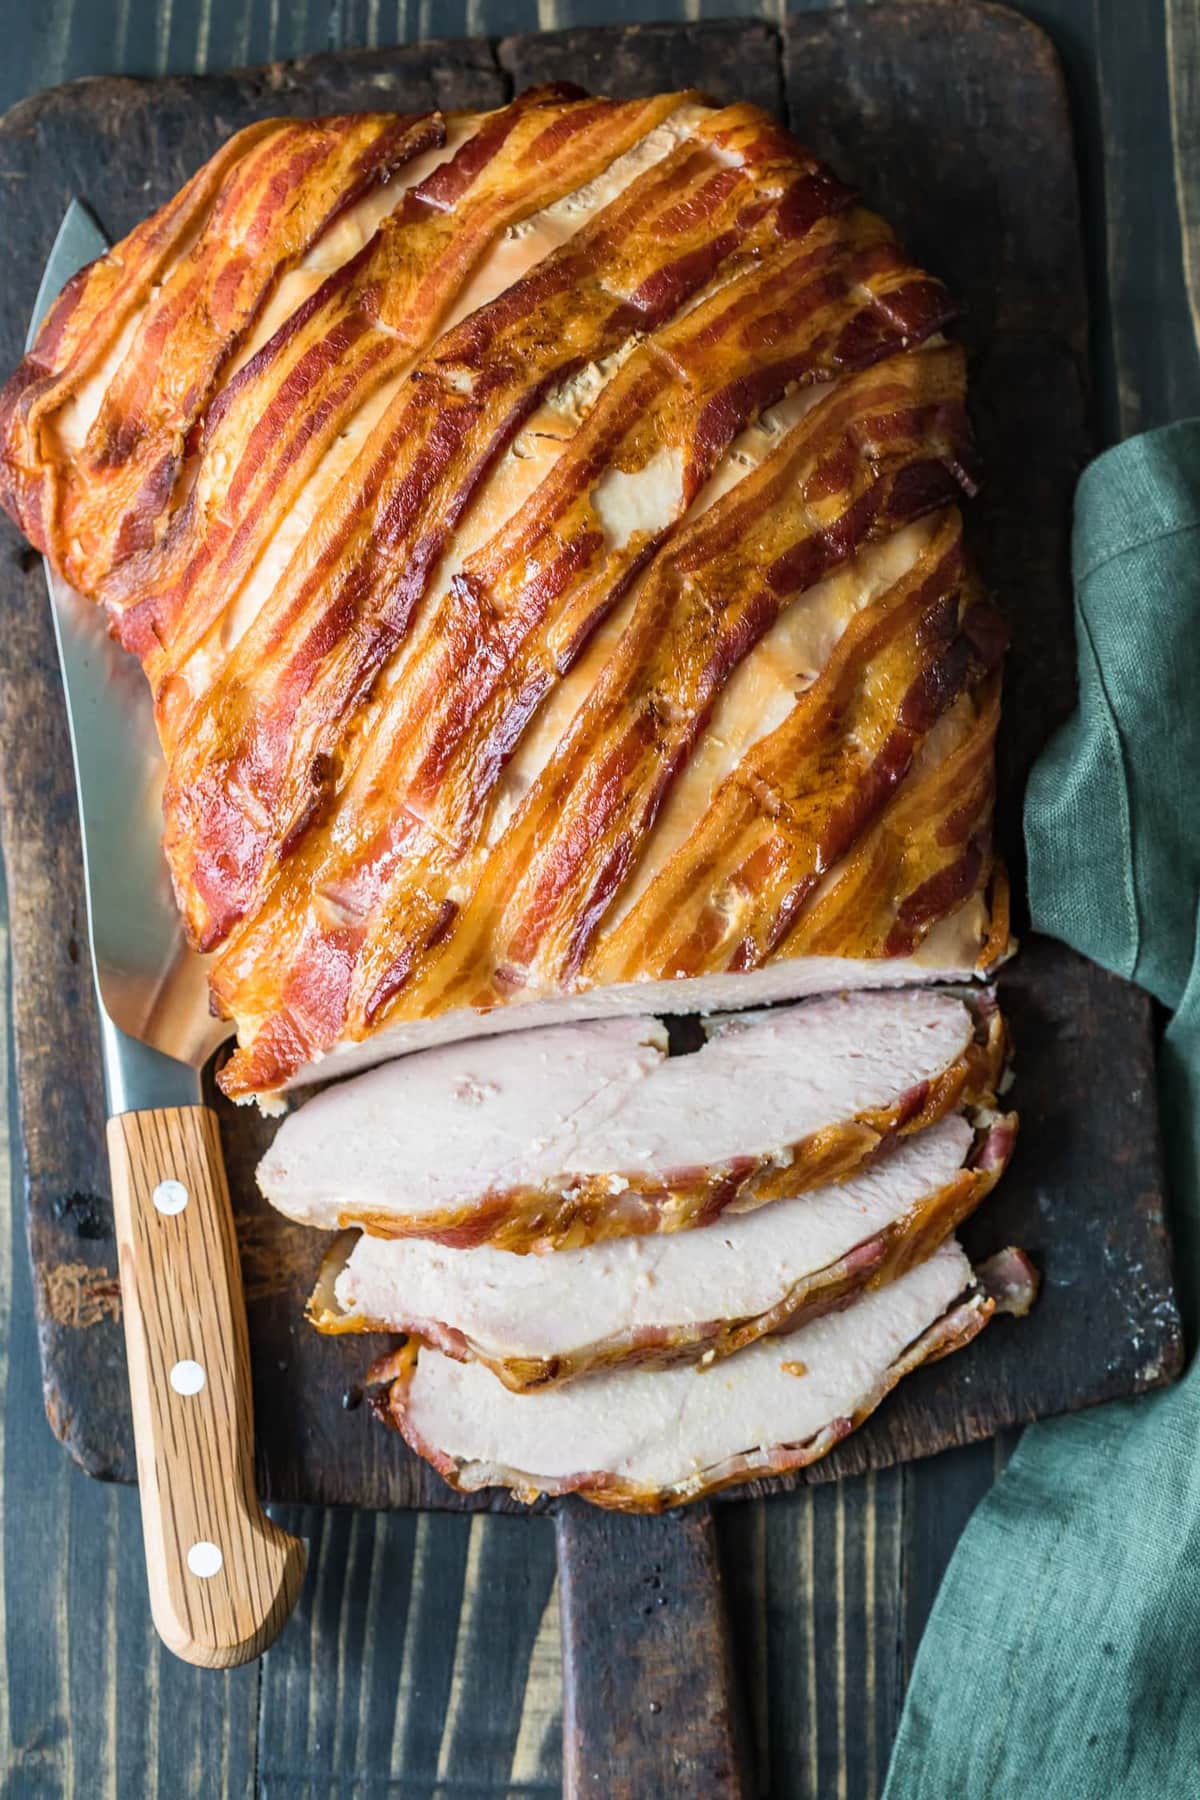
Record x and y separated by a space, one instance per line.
944 166
309 1451
64 1170
652 1701
728 59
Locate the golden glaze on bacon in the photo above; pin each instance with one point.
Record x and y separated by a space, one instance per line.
281 704
360 330
538 532
202 274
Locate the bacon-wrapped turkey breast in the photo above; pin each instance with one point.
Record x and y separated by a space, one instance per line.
539 533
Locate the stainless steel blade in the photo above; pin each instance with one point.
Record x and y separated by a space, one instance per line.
155 1024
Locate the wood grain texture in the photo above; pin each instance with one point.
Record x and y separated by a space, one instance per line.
653 1702
89 1702
222 1578
729 59
423 1659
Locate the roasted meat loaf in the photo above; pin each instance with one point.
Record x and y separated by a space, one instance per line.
539 532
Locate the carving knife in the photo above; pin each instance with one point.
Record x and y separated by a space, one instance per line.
222 1576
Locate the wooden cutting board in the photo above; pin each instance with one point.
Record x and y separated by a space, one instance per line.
953 121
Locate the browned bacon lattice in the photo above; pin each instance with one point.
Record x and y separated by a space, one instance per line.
539 532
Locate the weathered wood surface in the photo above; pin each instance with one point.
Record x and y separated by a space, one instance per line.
428 1645
653 1700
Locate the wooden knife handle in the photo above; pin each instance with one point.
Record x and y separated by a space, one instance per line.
650 1705
222 1577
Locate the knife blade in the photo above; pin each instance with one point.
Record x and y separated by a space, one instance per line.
156 1028
222 1576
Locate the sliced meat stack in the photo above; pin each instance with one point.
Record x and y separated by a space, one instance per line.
642 1440
535 1320
659 1274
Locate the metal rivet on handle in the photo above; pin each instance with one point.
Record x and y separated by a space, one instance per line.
170 1197
187 1377
204 1559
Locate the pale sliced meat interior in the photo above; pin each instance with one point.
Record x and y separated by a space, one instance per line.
948 954
661 1428
562 1305
448 1127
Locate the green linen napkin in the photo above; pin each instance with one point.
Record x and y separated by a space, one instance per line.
1062 1657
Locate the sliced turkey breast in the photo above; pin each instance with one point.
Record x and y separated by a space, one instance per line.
657 1300
641 1440
948 954
551 1139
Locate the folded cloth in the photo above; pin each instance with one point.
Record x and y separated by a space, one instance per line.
1062 1656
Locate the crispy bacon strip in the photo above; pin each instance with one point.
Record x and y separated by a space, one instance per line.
884 448
365 635
270 207
244 775
82 327
272 425
928 853
501 639
802 796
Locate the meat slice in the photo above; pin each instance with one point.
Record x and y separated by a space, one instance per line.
641 1440
551 1139
538 1320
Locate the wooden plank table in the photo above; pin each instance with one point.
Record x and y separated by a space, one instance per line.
427 1647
